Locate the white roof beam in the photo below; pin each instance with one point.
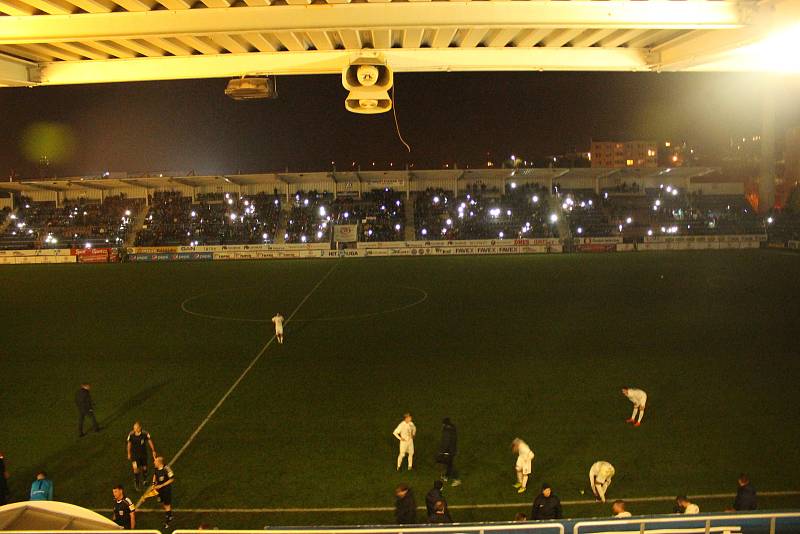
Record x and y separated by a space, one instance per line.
82 50
112 49
381 38
94 6
412 38
442 37
173 47
15 72
258 42
563 37
471 37
176 4
51 51
621 37
321 40
584 14
351 39
142 47
200 44
502 37
27 54
531 37
52 7
290 41
15 8
592 37
333 61
229 43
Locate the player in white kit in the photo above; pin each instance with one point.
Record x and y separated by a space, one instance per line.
405 433
524 464
639 400
278 320
600 476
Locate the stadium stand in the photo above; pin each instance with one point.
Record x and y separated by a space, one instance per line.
378 213
216 219
664 210
484 213
784 227
75 224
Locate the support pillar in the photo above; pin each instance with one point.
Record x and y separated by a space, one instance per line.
766 175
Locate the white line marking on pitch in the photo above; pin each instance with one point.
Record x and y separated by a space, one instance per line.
454 506
185 309
241 377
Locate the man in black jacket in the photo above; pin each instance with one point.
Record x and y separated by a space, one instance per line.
433 496
405 509
745 495
447 451
546 505
83 400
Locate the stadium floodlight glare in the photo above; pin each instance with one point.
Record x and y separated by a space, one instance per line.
397 227
658 202
513 185
322 211
579 230
501 235
620 227
319 235
233 216
194 214
369 232
424 231
436 200
770 220
264 235
674 192
535 199
629 220
230 202
663 230
397 203
346 215
87 245
127 213
449 222
669 189
303 238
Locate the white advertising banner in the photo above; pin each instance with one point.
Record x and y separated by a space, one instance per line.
460 243
345 233
16 260
34 252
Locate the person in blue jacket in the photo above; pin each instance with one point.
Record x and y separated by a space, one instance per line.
42 488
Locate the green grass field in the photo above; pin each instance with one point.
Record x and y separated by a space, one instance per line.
529 346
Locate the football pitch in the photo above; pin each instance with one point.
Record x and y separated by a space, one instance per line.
532 346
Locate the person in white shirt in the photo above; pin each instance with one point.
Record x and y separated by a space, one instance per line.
639 400
278 320
524 463
600 476
618 510
405 433
688 506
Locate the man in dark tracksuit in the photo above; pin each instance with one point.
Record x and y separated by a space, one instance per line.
447 451
434 496
83 400
745 496
546 505
405 509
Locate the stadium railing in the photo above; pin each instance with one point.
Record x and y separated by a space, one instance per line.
503 528
768 522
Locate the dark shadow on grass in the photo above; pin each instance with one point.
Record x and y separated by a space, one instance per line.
132 403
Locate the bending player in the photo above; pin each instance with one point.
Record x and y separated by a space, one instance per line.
138 441
639 400
278 320
524 464
600 476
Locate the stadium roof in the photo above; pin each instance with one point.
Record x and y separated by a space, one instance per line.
49 42
381 178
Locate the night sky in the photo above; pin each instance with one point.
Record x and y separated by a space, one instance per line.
445 117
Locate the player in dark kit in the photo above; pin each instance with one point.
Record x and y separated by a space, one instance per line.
138 441
124 510
163 477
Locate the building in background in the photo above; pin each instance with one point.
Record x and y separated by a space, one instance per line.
621 154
